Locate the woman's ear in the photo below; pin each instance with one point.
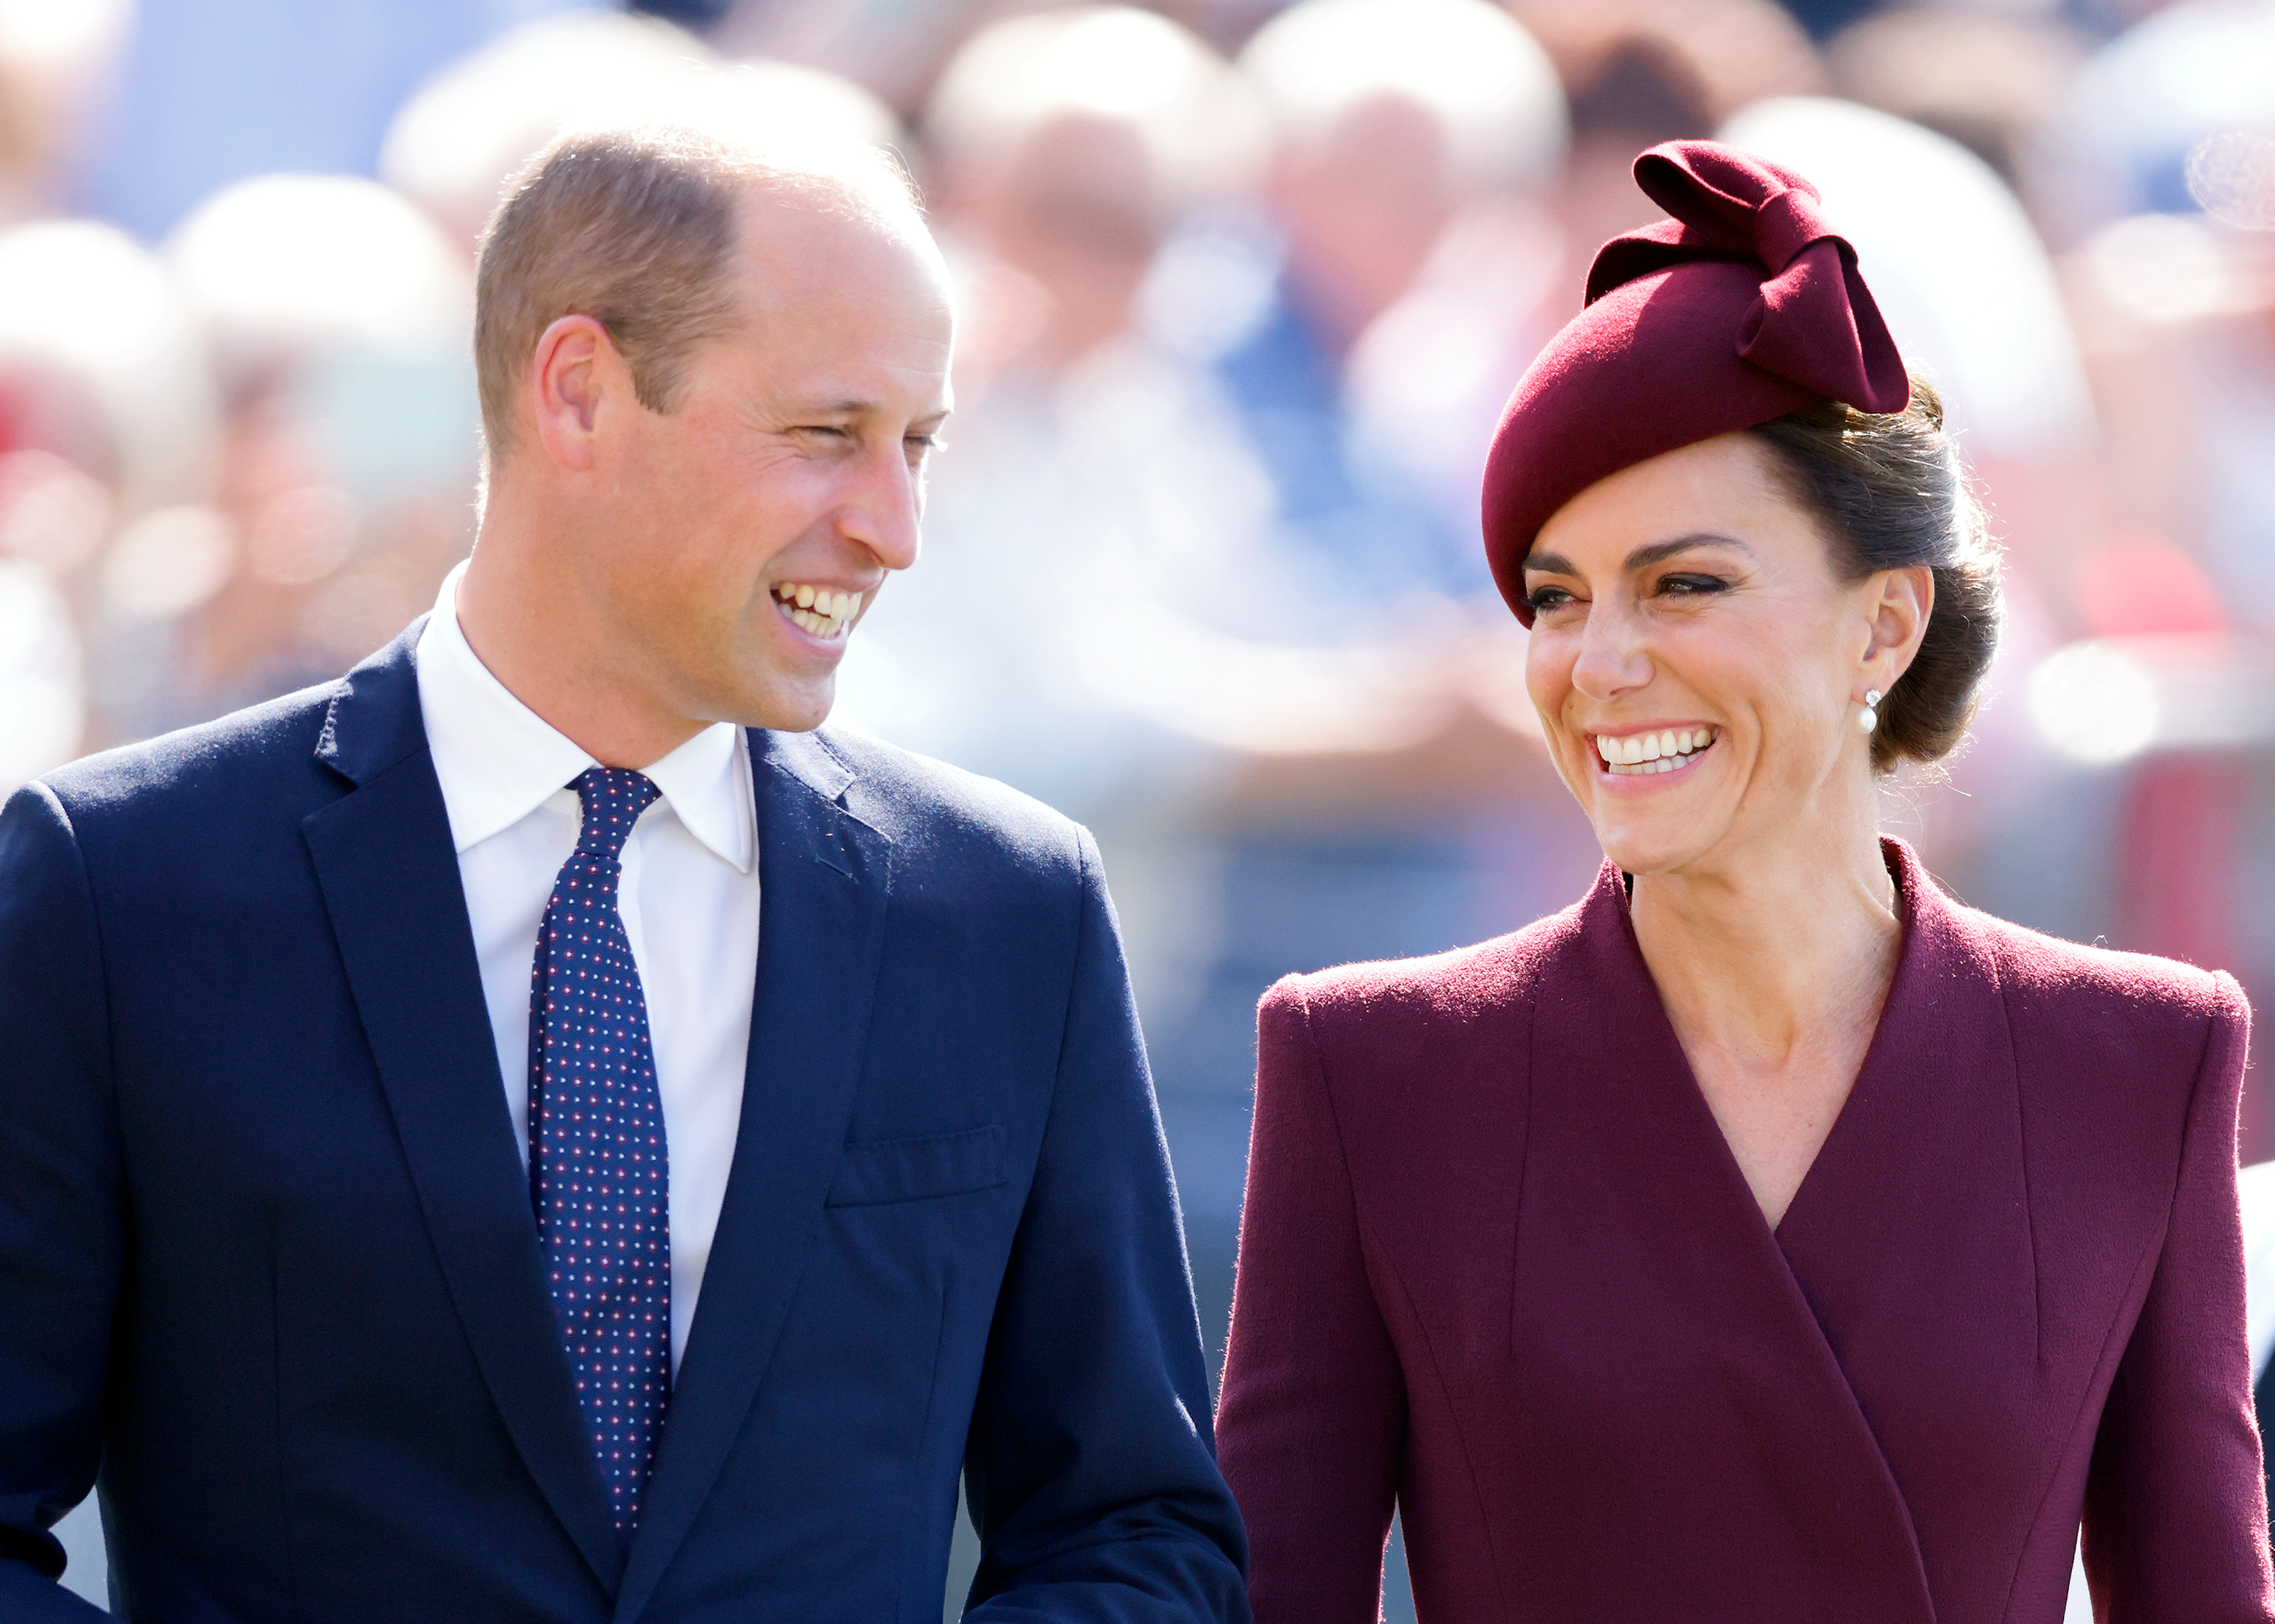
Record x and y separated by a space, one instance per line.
1903 600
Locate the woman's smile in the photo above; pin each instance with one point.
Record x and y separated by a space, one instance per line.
1652 752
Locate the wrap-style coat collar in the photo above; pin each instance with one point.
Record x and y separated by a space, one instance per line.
1599 1383
1792 1339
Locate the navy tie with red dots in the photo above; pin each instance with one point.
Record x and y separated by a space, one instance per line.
598 1170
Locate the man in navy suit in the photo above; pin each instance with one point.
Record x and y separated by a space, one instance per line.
535 1131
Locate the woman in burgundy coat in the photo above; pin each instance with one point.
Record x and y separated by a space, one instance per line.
1767 1237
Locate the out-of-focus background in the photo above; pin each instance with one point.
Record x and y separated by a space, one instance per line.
1243 288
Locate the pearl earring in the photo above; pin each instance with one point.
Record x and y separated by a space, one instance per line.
1869 718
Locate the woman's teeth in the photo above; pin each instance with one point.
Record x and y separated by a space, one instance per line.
817 610
1653 752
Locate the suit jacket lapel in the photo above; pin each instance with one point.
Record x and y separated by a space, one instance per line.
390 878
824 880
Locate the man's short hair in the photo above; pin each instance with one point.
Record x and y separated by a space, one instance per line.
635 228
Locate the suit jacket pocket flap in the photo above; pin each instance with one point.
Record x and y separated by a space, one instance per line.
947 1164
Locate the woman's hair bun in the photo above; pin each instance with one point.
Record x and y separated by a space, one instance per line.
1891 493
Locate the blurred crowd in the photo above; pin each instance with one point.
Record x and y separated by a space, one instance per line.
1243 288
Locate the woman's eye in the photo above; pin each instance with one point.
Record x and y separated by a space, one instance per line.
1691 586
1544 598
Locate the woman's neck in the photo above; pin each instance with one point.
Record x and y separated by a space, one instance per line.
1771 954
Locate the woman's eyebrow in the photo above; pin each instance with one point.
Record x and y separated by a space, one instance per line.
1642 557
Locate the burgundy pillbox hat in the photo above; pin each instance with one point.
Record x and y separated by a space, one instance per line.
1742 307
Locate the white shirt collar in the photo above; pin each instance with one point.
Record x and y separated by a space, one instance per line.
497 760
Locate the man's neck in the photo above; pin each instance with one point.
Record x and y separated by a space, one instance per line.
535 631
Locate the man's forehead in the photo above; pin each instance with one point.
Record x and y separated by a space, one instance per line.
845 309
810 236
830 371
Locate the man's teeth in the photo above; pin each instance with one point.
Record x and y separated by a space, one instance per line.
817 608
1653 752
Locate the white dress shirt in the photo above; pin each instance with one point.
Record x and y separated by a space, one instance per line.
689 898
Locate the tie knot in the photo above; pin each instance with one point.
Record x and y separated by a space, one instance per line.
614 797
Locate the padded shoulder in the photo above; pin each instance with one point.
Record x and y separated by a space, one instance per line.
2035 966
937 815
1404 998
2116 1055
228 756
2073 992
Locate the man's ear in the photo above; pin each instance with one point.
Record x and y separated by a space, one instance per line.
1899 612
575 370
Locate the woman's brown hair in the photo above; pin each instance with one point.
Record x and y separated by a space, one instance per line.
1891 493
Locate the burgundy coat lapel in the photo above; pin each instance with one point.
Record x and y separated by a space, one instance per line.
1654 1309
1911 1236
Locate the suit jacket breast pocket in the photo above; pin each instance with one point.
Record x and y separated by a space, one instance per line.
892 1170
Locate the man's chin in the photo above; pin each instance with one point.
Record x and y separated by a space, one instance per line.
799 707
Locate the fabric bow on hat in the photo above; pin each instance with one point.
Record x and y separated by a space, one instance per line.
1815 322
1743 306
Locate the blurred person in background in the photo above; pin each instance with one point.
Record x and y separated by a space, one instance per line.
1065 147
1097 504
1636 72
467 128
57 67
1252 626
2157 177
1393 119
1378 807
1990 80
338 318
1093 477
108 442
2131 121
313 1012
210 92
1768 1236
471 126
896 49
42 685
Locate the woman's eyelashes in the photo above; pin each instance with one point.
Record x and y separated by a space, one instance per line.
1685 583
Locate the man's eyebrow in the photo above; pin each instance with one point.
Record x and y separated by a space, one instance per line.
850 407
1642 557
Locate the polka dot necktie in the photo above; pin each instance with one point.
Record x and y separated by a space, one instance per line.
597 1166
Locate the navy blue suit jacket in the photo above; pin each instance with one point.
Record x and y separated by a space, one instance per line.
269 1274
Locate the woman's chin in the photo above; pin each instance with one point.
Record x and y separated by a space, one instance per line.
1650 844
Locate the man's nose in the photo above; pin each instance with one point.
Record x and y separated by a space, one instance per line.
884 508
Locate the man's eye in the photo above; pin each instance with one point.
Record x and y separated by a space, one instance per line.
922 445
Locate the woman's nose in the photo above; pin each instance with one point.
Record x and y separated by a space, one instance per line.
1613 658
